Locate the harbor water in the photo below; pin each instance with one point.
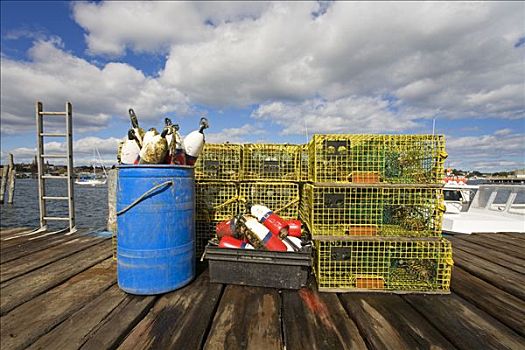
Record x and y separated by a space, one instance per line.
91 205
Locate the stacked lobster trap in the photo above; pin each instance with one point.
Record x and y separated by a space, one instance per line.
230 175
374 206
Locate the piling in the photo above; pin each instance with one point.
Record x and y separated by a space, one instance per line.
5 172
12 176
8 173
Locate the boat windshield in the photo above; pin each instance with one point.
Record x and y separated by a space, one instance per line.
452 195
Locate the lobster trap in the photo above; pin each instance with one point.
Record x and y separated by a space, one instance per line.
377 158
280 197
215 200
276 162
219 162
365 210
303 162
204 231
385 265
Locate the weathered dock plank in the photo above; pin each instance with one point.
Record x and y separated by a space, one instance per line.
247 318
313 320
167 325
388 322
28 263
116 326
464 325
503 278
34 245
22 326
501 305
508 261
6 232
25 287
82 322
505 247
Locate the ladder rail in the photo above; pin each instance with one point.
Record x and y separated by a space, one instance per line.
40 164
70 169
42 175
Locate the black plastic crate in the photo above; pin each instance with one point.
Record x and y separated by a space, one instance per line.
283 270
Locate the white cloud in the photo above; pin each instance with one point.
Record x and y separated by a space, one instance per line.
351 114
55 76
501 150
83 151
234 135
154 26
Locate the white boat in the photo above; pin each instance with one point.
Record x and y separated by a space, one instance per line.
92 179
493 208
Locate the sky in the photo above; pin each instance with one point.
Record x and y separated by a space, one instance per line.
268 72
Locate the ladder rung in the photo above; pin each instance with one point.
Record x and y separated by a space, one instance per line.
54 155
53 198
56 218
53 113
53 134
54 177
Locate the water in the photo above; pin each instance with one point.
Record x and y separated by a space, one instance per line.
91 205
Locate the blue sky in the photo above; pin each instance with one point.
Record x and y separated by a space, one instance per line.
269 72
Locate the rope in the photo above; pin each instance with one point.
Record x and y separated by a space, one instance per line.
147 193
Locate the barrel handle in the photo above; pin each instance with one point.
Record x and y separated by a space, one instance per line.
147 193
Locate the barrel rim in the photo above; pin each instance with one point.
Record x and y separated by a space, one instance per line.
161 166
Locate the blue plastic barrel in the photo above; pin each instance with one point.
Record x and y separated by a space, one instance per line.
156 228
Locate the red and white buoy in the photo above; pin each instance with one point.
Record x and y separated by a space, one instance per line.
274 223
294 228
226 228
263 234
230 242
295 244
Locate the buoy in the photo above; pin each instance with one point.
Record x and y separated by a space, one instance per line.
194 142
260 233
180 153
276 224
139 132
295 244
230 242
148 136
294 228
155 148
226 228
130 149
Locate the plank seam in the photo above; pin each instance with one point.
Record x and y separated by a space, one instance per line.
212 317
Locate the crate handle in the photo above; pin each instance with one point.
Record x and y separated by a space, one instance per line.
144 195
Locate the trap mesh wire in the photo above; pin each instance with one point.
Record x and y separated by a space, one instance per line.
277 162
402 266
372 211
377 158
219 162
280 197
204 231
215 200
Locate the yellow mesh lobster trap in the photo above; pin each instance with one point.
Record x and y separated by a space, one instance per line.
377 158
303 162
204 231
280 197
276 162
219 162
384 265
364 210
215 200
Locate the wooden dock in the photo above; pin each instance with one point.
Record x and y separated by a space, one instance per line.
60 292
